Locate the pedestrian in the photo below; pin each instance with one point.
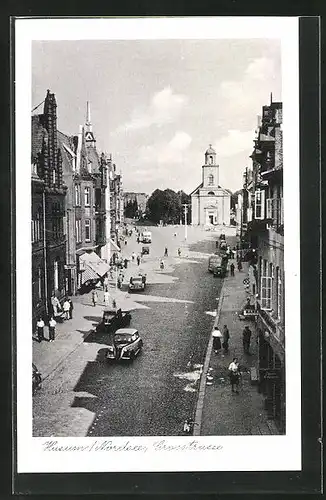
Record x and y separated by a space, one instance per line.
239 265
133 256
40 329
126 242
120 280
71 307
56 307
232 269
138 260
179 252
166 252
126 263
52 324
94 297
66 309
226 338
137 239
246 336
106 296
217 336
234 373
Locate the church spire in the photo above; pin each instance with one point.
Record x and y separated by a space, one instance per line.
89 136
88 117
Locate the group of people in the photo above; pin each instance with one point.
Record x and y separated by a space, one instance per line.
40 325
221 340
135 257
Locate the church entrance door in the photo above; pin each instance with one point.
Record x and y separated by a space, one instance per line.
211 219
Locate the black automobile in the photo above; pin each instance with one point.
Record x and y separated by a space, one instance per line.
37 379
126 344
113 319
145 250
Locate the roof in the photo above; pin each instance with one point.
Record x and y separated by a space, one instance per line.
128 331
93 157
66 147
210 150
38 134
196 189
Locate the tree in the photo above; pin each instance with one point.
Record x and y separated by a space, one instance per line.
166 206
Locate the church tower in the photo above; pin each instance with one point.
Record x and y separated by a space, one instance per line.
210 170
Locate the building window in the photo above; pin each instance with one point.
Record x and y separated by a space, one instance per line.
259 204
78 231
87 196
77 195
54 176
266 287
211 180
210 193
56 275
90 167
279 297
87 230
211 160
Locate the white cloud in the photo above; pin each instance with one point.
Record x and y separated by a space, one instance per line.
165 107
165 154
246 96
234 142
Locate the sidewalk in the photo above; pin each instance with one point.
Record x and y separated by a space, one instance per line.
223 412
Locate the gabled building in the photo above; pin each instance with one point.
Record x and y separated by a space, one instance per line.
210 203
48 211
85 174
263 212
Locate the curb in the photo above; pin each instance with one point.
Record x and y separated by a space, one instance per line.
202 387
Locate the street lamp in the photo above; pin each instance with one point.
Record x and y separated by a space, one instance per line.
185 206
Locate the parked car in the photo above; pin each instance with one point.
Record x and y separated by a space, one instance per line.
126 344
137 283
113 319
145 250
217 264
37 379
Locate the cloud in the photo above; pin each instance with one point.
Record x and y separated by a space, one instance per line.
234 142
244 97
164 107
166 154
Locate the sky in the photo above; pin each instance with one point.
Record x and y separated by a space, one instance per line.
156 105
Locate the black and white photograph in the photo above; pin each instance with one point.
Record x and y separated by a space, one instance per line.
158 282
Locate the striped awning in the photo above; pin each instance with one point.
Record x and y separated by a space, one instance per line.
94 266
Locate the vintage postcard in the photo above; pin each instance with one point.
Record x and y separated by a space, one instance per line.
158 265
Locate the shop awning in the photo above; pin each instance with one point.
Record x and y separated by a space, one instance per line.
114 245
94 266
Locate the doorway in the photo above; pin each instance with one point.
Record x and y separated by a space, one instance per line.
211 219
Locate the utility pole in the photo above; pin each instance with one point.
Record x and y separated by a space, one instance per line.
185 207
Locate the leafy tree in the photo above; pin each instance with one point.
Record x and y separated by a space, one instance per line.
167 206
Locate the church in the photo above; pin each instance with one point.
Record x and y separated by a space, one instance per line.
210 203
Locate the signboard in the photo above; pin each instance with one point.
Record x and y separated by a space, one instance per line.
271 374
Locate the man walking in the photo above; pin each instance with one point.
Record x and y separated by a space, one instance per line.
138 260
226 338
40 329
239 265
71 307
94 297
246 336
52 324
232 269
66 308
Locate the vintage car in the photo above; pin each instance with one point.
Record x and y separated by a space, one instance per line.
126 344
137 283
113 319
37 379
217 264
145 250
